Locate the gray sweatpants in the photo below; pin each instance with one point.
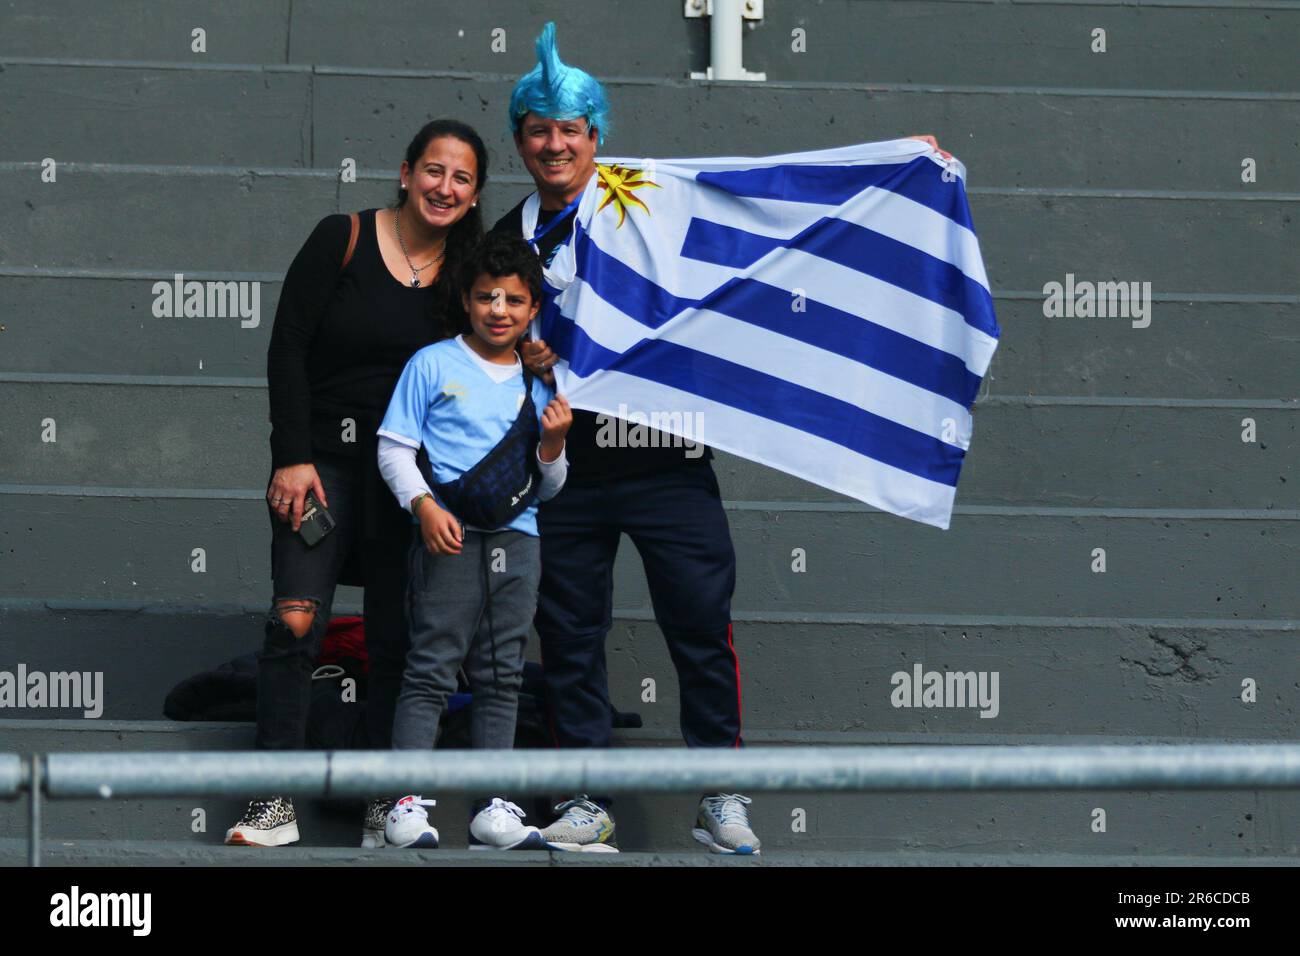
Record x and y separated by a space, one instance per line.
454 624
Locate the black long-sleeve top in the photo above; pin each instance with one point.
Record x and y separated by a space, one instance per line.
340 342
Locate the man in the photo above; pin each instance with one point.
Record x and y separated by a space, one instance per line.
664 496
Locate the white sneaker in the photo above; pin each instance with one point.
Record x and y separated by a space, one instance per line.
408 824
498 826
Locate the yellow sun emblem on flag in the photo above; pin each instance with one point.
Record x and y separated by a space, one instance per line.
618 182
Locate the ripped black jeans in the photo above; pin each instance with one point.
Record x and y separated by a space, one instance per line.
308 576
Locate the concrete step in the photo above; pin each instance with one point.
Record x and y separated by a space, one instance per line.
1180 355
136 218
1024 453
252 221
297 117
103 853
1237 824
1185 565
210 117
67 324
1192 46
249 31
812 678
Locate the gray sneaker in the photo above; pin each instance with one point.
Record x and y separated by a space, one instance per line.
722 824
583 827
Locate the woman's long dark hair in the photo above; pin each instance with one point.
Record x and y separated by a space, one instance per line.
466 234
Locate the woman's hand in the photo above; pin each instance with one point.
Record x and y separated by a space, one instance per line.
540 360
288 491
556 419
440 530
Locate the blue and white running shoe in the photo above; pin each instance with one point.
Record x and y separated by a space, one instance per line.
583 827
722 824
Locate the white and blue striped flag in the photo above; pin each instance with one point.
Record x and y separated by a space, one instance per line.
824 313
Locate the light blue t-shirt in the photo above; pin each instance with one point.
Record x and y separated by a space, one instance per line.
451 401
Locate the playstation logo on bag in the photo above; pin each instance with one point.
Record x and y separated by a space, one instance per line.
523 492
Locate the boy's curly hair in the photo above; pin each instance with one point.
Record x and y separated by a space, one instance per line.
501 254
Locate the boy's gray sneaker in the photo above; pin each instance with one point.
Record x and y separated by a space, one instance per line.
583 827
722 824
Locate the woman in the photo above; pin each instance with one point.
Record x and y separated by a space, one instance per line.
354 307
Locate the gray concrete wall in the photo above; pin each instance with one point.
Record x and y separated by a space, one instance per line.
1090 433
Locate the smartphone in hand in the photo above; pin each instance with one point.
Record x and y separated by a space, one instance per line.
316 521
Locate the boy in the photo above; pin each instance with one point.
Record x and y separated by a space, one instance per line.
494 436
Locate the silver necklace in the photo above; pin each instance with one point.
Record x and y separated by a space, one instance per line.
415 270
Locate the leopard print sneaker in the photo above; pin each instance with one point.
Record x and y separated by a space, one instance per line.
372 825
265 823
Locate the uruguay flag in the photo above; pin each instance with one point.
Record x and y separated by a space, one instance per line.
824 313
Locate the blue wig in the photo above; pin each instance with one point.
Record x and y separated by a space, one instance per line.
557 91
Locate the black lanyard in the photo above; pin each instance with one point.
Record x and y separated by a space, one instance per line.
556 221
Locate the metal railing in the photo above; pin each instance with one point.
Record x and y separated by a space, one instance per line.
878 768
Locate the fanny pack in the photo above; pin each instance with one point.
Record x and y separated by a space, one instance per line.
504 483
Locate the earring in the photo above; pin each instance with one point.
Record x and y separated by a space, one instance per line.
403 185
